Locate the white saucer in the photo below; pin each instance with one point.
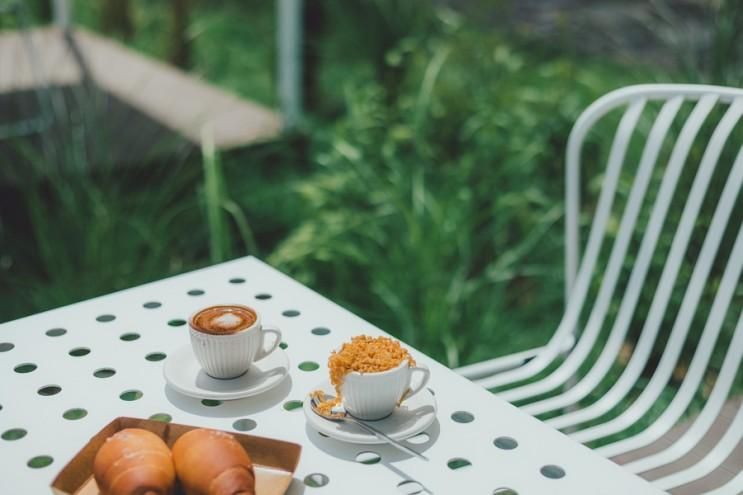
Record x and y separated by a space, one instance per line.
412 417
183 372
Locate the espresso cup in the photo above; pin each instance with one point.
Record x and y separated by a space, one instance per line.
372 396
228 347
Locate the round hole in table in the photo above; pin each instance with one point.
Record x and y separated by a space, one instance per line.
320 331
176 322
105 318
368 457
552 471
419 439
131 395
292 405
308 366
40 461
505 443
152 304
237 280
25 368
129 336
291 313
409 487
283 345
195 292
48 390
14 434
463 417
211 402
75 413
104 373
162 417
316 480
155 356
6 346
458 463
79 351
244 424
56 332
505 491
263 296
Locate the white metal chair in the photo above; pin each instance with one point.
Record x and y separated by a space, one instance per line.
601 303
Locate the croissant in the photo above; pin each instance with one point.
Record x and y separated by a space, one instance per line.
134 462
210 462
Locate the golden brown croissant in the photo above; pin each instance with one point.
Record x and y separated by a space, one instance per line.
134 462
210 462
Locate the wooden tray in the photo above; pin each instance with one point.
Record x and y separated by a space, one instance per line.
274 460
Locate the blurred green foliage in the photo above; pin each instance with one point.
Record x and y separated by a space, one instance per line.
426 193
440 216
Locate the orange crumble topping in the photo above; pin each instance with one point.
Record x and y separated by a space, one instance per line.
363 354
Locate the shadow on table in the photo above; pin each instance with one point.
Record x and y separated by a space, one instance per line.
230 408
296 488
388 455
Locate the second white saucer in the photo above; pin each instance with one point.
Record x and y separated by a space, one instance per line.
414 415
184 374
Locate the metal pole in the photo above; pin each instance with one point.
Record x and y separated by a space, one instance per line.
290 61
62 13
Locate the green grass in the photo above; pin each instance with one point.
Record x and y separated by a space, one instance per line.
440 217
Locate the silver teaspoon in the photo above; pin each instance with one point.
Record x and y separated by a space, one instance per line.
340 415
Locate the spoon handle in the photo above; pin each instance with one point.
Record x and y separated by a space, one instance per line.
382 436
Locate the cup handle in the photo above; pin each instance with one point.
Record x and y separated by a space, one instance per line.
263 352
412 390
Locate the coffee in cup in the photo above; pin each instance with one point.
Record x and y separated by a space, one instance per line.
224 320
227 338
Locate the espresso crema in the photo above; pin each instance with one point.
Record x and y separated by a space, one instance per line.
223 320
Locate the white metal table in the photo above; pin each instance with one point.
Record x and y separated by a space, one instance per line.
67 372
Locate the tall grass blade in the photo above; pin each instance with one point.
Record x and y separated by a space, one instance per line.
219 236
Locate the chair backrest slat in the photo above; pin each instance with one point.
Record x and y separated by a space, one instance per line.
668 279
658 215
598 230
652 149
708 95
606 198
683 233
582 280
678 228
700 360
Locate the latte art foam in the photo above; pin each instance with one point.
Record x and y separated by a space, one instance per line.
227 321
224 319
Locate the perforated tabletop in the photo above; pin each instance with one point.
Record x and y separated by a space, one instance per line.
66 373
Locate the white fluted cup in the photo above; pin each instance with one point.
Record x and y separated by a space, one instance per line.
372 396
226 356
